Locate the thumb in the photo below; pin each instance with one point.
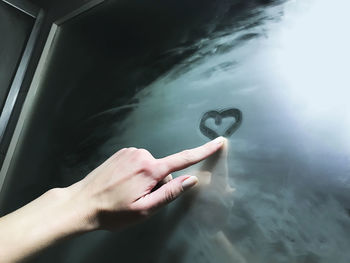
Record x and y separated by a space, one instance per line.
167 192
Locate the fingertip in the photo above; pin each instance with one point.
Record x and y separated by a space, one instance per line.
219 140
189 182
224 144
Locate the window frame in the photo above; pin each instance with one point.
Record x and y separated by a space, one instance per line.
35 86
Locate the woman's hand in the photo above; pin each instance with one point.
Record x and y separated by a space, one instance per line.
127 187
131 185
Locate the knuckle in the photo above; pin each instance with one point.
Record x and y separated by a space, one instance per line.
120 151
169 195
131 148
127 149
143 152
147 167
145 161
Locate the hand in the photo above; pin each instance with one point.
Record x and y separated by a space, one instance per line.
131 185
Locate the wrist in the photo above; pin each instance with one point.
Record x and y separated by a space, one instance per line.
79 208
56 215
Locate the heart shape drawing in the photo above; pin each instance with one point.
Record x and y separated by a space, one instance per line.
218 116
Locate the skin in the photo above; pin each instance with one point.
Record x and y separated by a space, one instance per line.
128 187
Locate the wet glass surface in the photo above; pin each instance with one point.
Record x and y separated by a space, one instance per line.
278 193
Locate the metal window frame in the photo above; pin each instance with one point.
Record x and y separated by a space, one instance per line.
35 87
24 6
38 15
16 85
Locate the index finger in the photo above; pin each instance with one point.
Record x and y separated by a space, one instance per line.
186 158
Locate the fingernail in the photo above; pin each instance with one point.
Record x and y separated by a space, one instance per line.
219 140
189 182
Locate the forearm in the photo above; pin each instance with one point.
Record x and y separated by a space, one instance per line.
54 216
120 192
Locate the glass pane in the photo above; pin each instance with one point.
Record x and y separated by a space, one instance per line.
165 76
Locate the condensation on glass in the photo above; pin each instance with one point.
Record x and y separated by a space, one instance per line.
144 74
